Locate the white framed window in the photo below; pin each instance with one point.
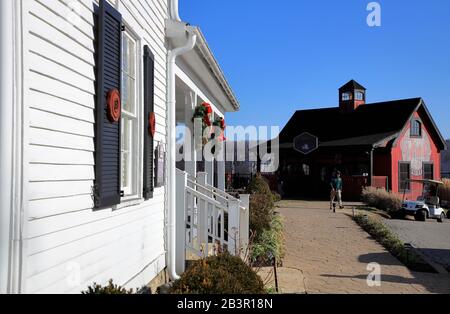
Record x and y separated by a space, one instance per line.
347 96
359 95
130 135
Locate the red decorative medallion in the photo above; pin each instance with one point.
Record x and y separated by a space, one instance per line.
152 124
113 105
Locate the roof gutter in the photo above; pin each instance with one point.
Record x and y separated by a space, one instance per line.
175 29
207 54
6 137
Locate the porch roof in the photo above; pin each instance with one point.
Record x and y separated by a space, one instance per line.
203 48
202 68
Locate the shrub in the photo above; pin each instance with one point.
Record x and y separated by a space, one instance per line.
276 197
381 233
392 243
259 185
444 191
261 213
221 274
270 244
266 227
381 199
111 288
261 205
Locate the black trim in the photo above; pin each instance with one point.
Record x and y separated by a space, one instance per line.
436 129
107 188
149 107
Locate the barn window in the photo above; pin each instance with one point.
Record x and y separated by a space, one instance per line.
347 96
359 95
404 176
130 117
416 128
428 171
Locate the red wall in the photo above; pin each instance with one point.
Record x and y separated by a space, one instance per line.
416 151
382 163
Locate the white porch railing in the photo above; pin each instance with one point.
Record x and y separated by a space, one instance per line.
208 219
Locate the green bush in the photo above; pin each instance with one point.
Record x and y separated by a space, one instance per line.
381 199
259 185
261 213
261 205
270 244
111 288
265 225
222 274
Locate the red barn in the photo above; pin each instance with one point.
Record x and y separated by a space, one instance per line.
381 144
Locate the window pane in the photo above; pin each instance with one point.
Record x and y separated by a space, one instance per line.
128 74
127 156
125 92
428 171
131 59
130 122
346 96
404 183
125 54
129 56
125 172
416 128
359 96
128 94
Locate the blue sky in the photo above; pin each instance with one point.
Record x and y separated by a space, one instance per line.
282 56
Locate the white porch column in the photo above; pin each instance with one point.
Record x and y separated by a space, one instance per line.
203 215
221 171
244 223
190 152
6 139
209 169
181 183
233 226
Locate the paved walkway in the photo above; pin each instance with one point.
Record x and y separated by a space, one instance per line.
330 254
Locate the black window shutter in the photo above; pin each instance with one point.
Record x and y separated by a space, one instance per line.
149 108
107 191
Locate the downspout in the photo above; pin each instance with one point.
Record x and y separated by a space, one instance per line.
6 137
175 28
174 13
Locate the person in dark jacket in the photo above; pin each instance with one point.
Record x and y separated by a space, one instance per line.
336 190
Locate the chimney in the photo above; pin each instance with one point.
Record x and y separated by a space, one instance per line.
351 96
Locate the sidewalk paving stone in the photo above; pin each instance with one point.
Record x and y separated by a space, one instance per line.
332 253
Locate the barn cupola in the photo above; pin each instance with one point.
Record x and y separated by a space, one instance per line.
351 96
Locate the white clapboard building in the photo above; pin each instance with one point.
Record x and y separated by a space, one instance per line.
91 92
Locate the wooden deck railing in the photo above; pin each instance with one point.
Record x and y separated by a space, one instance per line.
208 220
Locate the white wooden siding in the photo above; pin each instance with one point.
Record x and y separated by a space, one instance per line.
64 235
